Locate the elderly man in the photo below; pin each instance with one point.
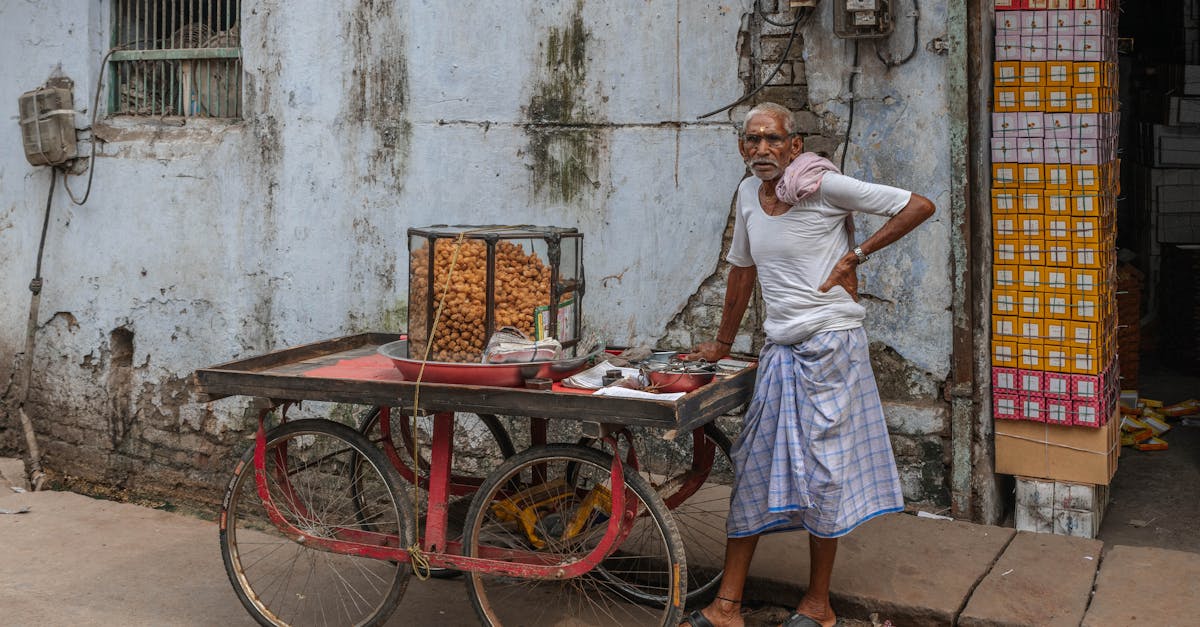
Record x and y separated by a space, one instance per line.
814 452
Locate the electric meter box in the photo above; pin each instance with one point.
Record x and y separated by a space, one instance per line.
526 277
48 125
862 19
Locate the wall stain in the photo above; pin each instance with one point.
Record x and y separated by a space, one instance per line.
377 89
565 141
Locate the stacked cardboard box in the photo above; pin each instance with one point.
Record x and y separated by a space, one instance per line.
1054 186
1060 507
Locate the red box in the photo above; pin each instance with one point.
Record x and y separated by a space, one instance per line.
1011 5
1032 407
1004 380
1030 382
1057 385
1006 406
1058 411
1087 413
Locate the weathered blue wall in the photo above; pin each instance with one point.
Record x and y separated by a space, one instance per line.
207 241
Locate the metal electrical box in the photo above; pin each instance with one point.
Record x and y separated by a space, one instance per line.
862 19
48 124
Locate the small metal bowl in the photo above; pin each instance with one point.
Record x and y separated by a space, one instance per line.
662 357
669 382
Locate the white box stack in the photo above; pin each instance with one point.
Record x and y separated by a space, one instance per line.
1060 507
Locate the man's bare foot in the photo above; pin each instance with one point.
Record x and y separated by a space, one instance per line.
722 613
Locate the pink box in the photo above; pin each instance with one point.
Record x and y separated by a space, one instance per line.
1085 125
1009 22
1034 48
1033 407
1004 149
1034 22
1031 150
1006 406
1057 386
1058 411
1085 152
1030 124
1029 382
1004 380
1061 44
1059 19
1089 22
1008 47
1085 387
1057 150
1004 124
1057 125
1086 48
1087 413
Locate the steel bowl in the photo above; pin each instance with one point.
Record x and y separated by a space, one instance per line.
499 375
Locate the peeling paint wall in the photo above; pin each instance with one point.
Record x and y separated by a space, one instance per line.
209 241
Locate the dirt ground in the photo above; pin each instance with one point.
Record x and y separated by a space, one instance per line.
1156 495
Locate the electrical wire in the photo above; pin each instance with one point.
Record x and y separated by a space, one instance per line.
854 70
92 128
890 63
795 26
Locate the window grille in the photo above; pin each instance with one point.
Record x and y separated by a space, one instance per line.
176 58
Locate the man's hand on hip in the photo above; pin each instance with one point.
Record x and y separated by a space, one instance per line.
845 274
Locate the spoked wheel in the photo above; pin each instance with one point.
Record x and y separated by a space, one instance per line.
691 474
556 501
479 439
309 480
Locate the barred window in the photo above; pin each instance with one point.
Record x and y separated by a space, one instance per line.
176 58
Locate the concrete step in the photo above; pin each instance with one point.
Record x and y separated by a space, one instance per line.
1040 579
1146 586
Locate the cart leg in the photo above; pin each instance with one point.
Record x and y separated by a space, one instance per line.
439 482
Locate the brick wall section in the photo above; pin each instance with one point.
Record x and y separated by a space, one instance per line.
918 418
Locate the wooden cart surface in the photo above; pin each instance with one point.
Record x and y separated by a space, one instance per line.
285 375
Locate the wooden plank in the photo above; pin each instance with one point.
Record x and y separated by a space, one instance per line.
279 375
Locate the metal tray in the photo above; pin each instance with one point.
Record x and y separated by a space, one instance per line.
500 375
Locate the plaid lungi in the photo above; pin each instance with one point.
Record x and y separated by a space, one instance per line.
814 451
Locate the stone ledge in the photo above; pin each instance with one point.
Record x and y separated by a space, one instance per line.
1145 586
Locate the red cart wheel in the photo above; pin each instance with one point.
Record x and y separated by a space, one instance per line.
554 502
309 482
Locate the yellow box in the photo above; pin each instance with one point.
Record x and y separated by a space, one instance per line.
1004 200
1054 358
1086 204
1005 175
1004 253
1087 256
1084 308
1030 331
1085 231
1056 332
1004 302
1085 178
1083 334
1057 203
1005 328
1087 74
1059 74
1057 306
1030 252
1058 99
1029 356
1058 176
1029 304
1006 99
1029 226
1083 100
1058 229
1006 73
1056 254
1004 354
1057 279
1005 277
1086 281
1030 278
1029 201
1004 227
1082 360
1033 74
1031 98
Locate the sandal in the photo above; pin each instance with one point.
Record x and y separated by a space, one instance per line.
698 619
800 620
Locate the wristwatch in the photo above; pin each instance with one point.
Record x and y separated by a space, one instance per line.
862 257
